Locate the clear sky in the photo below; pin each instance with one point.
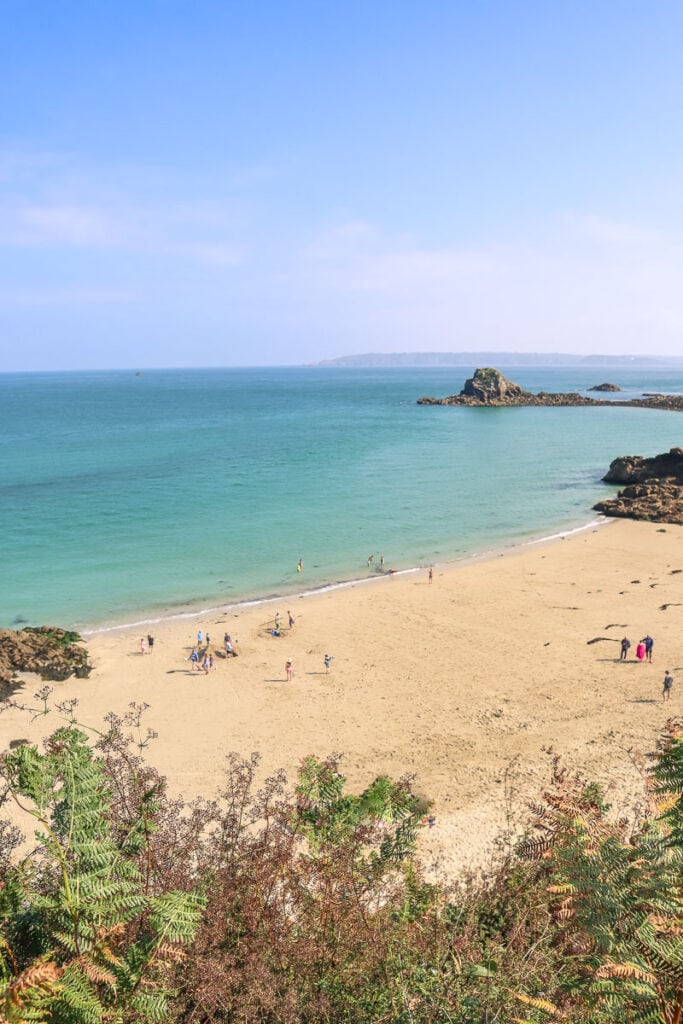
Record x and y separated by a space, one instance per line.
243 182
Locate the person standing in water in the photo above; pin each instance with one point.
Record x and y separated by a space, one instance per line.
300 566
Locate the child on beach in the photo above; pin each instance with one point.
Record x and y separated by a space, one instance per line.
327 659
289 669
143 646
667 685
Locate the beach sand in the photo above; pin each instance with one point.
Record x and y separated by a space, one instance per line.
461 683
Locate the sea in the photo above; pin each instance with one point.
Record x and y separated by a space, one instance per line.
128 497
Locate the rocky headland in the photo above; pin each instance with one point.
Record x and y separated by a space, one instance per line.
654 488
52 653
488 387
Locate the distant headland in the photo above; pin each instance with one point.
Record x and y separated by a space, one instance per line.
488 387
380 359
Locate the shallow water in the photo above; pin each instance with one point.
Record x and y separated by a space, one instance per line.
124 496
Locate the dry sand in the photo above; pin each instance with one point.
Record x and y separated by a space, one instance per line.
462 683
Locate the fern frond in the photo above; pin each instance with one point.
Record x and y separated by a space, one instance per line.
625 970
538 1004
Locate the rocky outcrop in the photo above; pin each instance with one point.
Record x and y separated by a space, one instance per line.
488 387
51 652
654 488
605 387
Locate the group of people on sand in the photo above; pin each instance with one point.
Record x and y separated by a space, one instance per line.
275 626
289 666
201 656
147 646
644 650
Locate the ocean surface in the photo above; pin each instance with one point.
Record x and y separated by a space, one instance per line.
129 497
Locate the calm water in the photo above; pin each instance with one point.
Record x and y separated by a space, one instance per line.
123 497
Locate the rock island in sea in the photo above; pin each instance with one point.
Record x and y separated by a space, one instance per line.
488 386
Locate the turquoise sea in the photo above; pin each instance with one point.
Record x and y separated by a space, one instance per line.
126 497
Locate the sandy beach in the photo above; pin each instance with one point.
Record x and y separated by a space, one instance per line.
462 683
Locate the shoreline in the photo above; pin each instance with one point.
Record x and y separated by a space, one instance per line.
195 611
463 684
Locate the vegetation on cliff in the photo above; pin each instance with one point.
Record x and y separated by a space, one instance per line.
271 905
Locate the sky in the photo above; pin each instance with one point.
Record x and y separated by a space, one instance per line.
267 183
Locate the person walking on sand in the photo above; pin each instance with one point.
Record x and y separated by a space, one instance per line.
640 651
430 574
625 644
327 659
194 658
143 646
200 637
667 685
150 642
290 619
649 644
289 669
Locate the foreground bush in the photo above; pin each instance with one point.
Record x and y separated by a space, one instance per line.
270 905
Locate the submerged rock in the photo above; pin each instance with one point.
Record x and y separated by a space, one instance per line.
47 650
654 488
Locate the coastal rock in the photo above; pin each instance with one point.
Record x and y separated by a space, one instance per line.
654 488
47 650
488 387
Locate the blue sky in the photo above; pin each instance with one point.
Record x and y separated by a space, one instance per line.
216 183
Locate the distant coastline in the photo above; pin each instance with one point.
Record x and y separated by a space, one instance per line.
386 359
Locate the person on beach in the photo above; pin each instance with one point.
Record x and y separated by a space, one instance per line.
289 669
200 637
430 574
327 660
640 651
207 664
194 658
381 563
143 646
290 618
667 685
208 639
371 559
649 644
150 642
625 644
300 566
